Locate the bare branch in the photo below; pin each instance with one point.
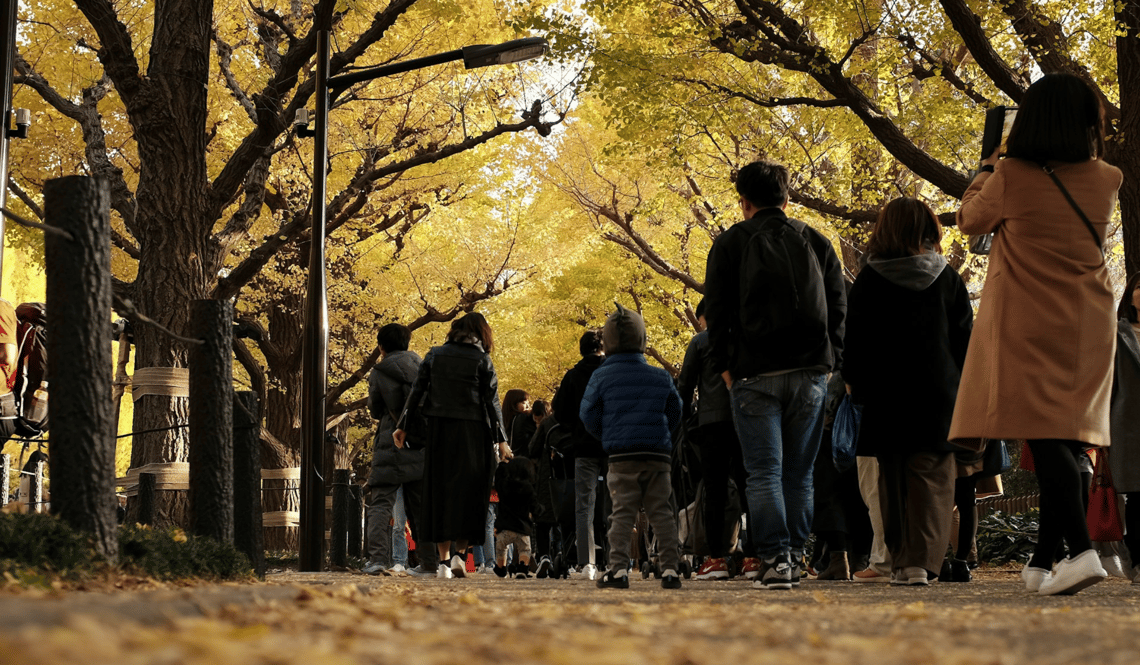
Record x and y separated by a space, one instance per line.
225 59
969 27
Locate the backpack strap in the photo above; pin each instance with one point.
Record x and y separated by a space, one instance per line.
1068 197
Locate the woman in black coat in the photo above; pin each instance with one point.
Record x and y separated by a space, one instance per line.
465 431
908 326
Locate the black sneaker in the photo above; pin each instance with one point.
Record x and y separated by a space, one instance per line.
501 571
544 568
611 581
775 573
521 572
670 580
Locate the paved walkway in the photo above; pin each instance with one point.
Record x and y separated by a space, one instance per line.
345 618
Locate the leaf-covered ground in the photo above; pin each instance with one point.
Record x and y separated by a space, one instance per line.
334 618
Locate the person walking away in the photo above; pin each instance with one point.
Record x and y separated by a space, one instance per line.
458 388
514 524
633 408
588 453
775 304
1039 367
719 453
908 327
394 470
1124 459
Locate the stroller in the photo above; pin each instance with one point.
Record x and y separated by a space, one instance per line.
552 449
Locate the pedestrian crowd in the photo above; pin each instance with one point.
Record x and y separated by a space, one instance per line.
751 433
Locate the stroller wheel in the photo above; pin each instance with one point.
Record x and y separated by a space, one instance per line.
557 570
646 569
686 569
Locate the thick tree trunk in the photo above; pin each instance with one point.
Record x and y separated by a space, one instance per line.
173 226
282 416
1126 149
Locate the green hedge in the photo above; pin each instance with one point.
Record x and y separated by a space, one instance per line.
38 544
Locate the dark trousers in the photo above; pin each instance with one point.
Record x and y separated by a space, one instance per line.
381 500
721 459
916 494
1063 502
1132 526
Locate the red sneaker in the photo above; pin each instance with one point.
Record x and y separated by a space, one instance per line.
750 567
712 569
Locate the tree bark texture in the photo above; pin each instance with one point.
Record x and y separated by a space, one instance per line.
212 421
78 303
248 536
1126 152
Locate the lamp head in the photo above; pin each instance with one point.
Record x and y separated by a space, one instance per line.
518 50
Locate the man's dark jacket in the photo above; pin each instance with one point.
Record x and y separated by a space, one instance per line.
748 357
697 373
568 400
388 387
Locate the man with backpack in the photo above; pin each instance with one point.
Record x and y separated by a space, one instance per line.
775 305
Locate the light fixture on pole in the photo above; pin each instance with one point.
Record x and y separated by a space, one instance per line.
314 349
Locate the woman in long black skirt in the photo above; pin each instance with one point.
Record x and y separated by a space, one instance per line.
457 390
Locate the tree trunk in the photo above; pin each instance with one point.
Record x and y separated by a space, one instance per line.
173 224
1125 152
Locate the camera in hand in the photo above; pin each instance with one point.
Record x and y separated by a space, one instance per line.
999 119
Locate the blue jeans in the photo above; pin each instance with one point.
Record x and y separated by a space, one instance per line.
779 420
484 552
399 540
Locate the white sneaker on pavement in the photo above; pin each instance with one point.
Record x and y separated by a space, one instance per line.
458 566
1074 574
590 571
444 572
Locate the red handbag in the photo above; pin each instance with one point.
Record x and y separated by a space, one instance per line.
1104 509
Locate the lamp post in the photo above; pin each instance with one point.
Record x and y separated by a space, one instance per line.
21 116
314 350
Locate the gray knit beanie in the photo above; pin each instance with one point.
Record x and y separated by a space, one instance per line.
624 332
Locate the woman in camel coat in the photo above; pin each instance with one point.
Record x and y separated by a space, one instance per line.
1039 366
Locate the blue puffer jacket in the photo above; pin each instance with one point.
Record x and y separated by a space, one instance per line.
632 408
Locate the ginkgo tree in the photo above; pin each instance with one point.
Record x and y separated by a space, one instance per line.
185 108
864 99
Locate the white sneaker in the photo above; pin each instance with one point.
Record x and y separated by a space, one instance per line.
590 571
1033 577
398 569
444 572
1074 574
458 566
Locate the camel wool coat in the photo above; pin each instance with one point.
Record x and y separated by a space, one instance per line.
1039 363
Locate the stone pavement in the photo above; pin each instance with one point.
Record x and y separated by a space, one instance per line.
344 617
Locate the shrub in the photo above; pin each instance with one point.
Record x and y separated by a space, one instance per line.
38 544
44 543
1005 537
171 554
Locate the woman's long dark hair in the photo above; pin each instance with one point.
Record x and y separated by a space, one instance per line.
511 400
1126 310
906 227
474 324
1061 119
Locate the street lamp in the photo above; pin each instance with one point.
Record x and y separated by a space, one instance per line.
314 350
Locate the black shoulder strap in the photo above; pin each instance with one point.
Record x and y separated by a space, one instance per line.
1068 197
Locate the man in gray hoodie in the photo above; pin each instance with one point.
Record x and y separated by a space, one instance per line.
389 384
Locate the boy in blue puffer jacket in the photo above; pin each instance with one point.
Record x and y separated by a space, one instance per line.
632 409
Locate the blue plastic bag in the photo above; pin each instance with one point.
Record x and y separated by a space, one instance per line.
845 433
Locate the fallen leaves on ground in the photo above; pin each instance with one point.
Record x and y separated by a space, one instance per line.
358 619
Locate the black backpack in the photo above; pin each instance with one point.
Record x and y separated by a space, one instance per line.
31 370
782 298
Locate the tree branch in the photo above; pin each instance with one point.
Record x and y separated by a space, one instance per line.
225 59
86 115
116 51
968 25
939 67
